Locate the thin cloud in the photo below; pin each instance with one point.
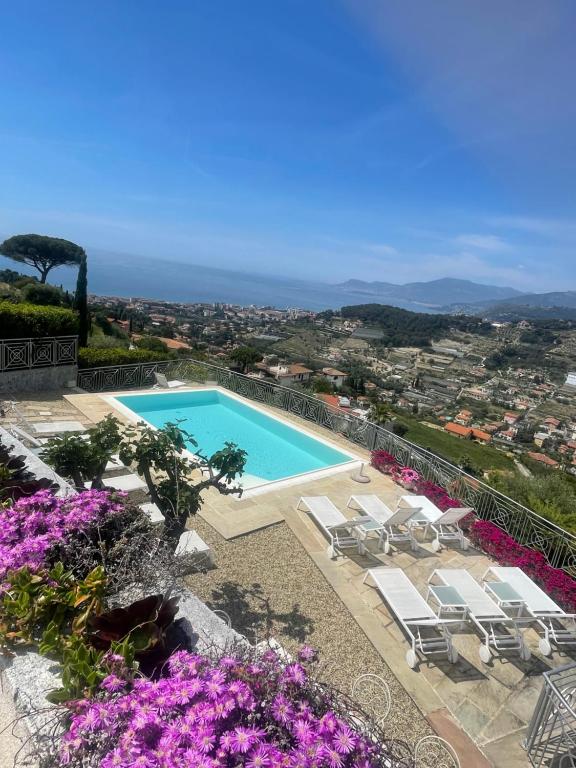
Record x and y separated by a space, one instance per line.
492 243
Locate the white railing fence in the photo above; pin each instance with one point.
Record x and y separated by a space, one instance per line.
523 524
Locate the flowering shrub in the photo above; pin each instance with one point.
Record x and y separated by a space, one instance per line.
485 535
35 524
258 713
508 552
409 478
405 476
383 461
437 495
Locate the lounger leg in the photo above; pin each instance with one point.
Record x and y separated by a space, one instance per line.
484 651
544 644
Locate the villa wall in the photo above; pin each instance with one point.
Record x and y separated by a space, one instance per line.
38 379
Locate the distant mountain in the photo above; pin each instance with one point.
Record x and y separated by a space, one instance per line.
432 294
554 305
553 299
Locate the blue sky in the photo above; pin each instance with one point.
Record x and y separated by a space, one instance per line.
324 139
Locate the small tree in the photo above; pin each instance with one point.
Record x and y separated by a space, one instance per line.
152 343
81 302
379 413
322 386
245 356
84 460
42 252
159 457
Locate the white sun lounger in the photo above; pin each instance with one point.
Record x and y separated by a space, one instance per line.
162 381
540 607
391 526
428 633
371 505
130 482
57 427
333 523
447 527
483 613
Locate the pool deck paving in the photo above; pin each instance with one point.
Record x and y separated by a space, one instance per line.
489 704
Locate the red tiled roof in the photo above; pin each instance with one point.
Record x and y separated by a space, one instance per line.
478 434
458 429
542 458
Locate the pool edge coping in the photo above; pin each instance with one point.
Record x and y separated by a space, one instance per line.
354 461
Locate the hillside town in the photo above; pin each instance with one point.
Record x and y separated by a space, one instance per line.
461 384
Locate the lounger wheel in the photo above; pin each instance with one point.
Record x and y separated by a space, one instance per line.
436 545
453 655
387 547
485 654
411 658
545 647
525 652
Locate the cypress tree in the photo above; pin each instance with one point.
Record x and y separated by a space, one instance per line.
81 302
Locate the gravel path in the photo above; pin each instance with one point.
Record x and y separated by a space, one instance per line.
266 580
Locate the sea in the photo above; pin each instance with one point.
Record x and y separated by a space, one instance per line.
129 276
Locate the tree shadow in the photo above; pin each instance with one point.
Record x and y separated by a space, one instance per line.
252 614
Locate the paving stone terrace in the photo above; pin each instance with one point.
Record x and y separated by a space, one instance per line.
265 541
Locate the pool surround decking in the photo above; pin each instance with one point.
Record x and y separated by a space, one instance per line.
491 703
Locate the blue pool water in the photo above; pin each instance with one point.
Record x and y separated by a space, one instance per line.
275 450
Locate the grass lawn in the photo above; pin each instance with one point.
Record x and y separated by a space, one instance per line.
454 448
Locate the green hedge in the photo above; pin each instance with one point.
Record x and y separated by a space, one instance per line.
92 357
21 321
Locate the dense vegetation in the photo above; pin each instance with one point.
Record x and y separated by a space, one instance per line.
472 457
530 355
92 357
402 328
551 494
19 321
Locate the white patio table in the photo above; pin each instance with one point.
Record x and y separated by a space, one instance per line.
425 511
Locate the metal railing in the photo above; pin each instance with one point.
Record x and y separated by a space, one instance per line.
523 524
22 354
115 377
551 737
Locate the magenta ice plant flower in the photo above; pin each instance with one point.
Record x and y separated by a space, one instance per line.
211 715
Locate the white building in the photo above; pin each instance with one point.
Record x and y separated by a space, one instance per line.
334 376
571 379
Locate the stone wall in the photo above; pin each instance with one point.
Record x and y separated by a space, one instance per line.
38 379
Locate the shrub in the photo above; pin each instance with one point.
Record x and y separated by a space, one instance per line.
35 524
383 461
237 711
90 357
153 344
46 295
18 321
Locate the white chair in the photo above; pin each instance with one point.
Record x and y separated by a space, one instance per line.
539 606
372 693
163 383
435 752
390 526
446 527
337 528
483 612
428 633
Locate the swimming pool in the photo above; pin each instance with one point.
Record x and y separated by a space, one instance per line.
276 450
